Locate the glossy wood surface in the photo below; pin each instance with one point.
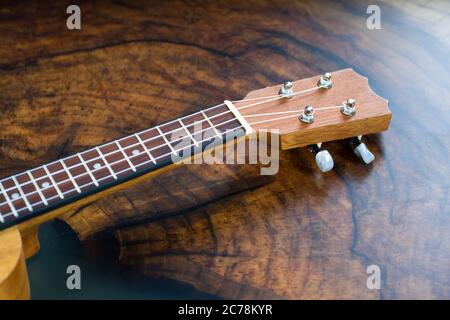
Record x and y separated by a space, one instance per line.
13 271
304 234
372 112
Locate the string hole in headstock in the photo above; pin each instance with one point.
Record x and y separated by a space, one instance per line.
307 115
287 90
349 107
325 81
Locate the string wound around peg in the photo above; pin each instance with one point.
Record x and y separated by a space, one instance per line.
307 115
325 81
287 90
349 107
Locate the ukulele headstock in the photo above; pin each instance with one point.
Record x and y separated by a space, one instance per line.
324 108
328 119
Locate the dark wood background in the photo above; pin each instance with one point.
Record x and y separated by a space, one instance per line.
301 234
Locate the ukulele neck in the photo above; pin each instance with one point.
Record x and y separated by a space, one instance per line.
39 190
303 113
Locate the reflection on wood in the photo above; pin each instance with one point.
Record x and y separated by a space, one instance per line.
302 235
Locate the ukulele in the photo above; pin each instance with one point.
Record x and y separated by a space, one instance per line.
303 113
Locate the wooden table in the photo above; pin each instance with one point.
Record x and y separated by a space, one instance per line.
299 235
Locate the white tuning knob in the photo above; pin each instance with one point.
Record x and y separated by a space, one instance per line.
364 153
324 161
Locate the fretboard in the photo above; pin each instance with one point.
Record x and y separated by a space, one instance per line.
50 186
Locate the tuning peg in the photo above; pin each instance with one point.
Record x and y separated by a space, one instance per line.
349 107
323 158
361 150
325 81
307 115
287 90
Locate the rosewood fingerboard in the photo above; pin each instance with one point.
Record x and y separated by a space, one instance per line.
47 187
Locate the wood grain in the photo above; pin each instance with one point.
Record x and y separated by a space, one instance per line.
372 116
304 235
13 271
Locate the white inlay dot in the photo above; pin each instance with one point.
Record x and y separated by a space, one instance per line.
135 152
15 195
97 165
45 184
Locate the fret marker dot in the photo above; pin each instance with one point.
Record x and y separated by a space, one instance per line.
135 152
15 195
45 184
97 166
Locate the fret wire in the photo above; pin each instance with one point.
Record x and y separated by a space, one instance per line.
167 141
8 200
162 156
106 163
157 147
53 181
87 169
125 156
150 139
146 130
210 123
2 220
75 184
145 148
187 131
27 203
37 188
